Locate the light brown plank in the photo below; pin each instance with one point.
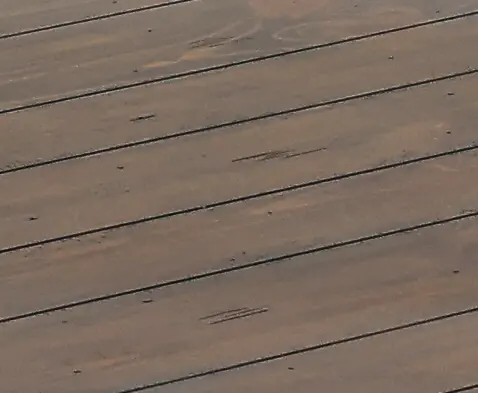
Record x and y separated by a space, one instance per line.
243 92
155 43
31 14
112 188
309 300
436 359
238 234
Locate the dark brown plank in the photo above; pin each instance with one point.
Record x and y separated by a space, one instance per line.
309 300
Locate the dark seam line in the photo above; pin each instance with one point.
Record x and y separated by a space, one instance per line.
463 389
260 262
225 66
240 122
92 19
223 203
283 355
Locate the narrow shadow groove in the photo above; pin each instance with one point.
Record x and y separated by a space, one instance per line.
214 273
225 66
238 199
466 388
240 122
313 348
93 19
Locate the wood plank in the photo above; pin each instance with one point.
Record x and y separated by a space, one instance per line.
111 51
240 93
313 299
77 195
145 45
237 234
31 14
439 358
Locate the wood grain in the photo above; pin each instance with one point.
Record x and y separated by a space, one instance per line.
305 301
366 282
33 13
155 43
191 172
237 234
438 358
237 94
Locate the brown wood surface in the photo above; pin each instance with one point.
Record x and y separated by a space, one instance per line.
173 39
370 278
438 358
77 195
34 14
298 303
240 233
239 93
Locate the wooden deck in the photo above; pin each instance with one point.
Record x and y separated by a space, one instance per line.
258 196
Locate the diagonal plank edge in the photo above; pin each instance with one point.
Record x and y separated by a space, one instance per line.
122 87
246 266
321 304
240 96
89 19
240 122
236 200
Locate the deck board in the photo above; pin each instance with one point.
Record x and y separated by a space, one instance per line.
77 195
149 44
313 299
244 92
438 358
34 14
339 250
239 234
